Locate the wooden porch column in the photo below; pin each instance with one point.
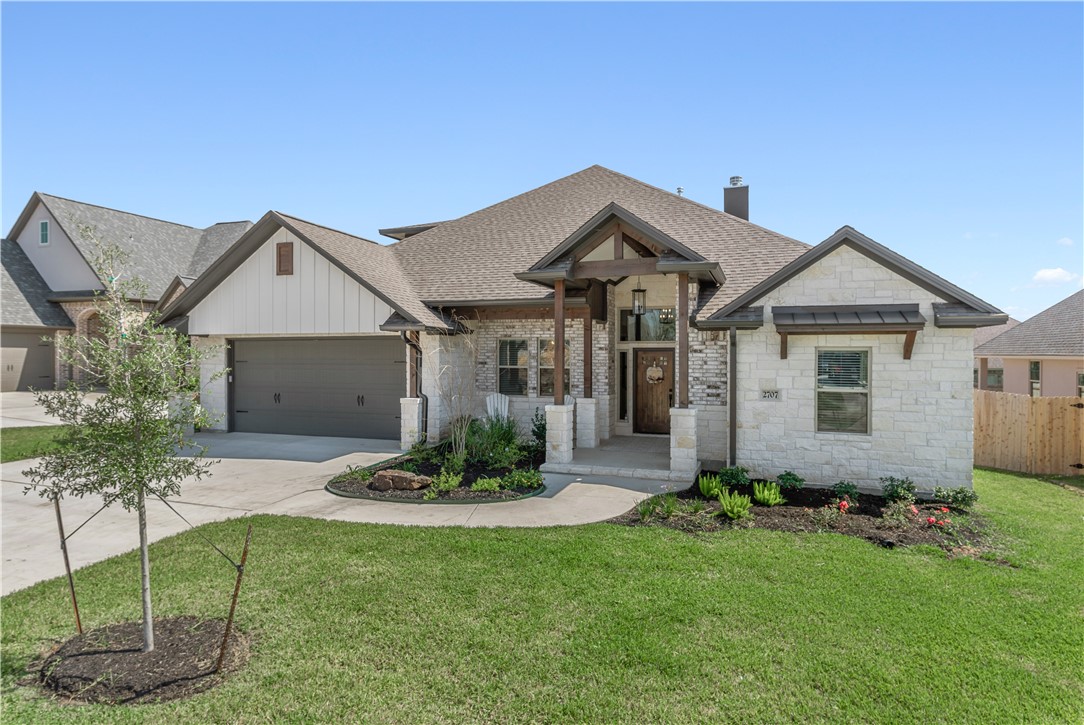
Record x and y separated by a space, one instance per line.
559 342
683 338
587 348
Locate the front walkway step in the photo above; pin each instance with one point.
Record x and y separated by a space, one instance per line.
647 474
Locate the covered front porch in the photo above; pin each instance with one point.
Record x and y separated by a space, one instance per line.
639 457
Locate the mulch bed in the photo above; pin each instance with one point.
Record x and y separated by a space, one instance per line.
107 665
964 535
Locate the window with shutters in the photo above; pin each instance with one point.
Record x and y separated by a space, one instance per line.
843 391
284 258
512 365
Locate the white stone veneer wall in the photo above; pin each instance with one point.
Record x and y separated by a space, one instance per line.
921 409
214 394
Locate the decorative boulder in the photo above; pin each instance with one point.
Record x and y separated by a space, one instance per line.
399 480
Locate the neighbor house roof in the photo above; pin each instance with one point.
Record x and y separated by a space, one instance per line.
983 335
158 250
24 294
476 257
1056 331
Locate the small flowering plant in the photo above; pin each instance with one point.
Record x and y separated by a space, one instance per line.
844 504
939 518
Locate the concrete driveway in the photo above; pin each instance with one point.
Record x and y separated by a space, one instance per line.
274 474
19 409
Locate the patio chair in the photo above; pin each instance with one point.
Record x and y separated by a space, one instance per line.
497 405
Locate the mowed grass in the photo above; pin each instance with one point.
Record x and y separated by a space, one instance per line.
17 444
365 623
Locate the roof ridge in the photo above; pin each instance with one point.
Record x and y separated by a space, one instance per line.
699 204
330 229
118 211
239 221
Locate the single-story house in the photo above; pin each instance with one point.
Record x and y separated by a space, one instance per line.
49 282
994 378
637 319
1044 354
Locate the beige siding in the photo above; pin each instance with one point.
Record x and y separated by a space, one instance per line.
59 262
317 299
1057 375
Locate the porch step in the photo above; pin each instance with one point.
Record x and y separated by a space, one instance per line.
647 474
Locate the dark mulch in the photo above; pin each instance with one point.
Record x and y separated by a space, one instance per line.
107 665
965 534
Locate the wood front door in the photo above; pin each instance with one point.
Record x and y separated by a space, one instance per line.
653 392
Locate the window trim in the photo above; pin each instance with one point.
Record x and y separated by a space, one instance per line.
1035 385
539 367
284 259
525 368
44 231
868 391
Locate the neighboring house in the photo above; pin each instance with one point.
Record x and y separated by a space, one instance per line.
994 377
1044 354
49 282
661 317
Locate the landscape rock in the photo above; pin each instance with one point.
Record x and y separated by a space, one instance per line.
399 480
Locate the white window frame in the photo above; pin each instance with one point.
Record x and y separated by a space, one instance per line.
868 390
1080 383
526 368
1035 385
43 226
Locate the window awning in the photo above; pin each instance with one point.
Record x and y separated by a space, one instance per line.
849 319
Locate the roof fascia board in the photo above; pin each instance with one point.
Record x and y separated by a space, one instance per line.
870 249
976 320
24 216
724 324
528 302
709 270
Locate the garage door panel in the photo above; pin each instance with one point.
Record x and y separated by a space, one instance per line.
346 387
26 361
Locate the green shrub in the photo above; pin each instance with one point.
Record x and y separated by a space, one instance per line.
767 493
961 498
711 485
446 480
736 476
898 489
845 488
898 514
408 466
538 428
647 508
454 463
826 517
486 484
491 438
423 453
506 457
734 505
668 505
695 506
527 478
790 480
360 474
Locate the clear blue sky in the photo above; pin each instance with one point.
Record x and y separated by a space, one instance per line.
954 134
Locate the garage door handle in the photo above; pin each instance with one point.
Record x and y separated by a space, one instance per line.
361 400
277 398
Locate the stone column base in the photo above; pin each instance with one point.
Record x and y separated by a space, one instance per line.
683 442
410 422
587 423
559 426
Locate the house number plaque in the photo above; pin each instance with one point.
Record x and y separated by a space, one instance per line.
772 395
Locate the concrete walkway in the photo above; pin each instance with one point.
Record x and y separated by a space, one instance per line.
275 474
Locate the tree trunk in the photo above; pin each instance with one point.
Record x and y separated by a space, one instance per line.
145 567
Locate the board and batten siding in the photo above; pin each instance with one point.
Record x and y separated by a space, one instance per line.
317 299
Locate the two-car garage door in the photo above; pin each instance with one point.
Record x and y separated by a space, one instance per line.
319 387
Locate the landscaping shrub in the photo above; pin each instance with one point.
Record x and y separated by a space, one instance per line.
527 478
454 463
408 466
845 488
790 480
647 508
767 493
898 489
827 517
734 505
736 476
492 441
354 473
446 480
898 513
486 484
711 485
668 505
538 428
961 498
423 453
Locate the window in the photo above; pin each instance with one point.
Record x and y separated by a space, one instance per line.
43 232
652 326
512 367
1035 378
995 379
1080 383
284 258
546 351
843 391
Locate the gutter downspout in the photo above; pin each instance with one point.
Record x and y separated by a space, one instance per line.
413 345
732 397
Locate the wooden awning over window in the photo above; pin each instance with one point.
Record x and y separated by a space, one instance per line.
849 320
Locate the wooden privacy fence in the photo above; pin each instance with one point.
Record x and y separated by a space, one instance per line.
1030 435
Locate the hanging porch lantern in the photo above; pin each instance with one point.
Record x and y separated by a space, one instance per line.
639 299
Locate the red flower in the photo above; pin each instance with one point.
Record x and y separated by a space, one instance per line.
914 509
944 510
931 521
843 506
940 523
948 521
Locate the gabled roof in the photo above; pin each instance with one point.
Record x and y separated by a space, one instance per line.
158 250
963 308
476 256
401 233
1057 330
370 264
24 294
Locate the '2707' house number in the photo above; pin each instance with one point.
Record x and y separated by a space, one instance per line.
769 395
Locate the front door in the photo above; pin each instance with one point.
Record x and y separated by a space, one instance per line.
653 391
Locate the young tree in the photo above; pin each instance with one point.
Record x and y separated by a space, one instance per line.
133 441
455 365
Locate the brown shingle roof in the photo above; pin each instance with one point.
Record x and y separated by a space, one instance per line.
476 256
1057 330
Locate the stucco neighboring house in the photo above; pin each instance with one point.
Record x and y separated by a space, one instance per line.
637 319
49 283
994 379
1044 354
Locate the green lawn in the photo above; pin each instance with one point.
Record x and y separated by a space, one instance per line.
357 623
29 442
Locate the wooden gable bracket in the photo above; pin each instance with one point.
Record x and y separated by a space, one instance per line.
908 340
